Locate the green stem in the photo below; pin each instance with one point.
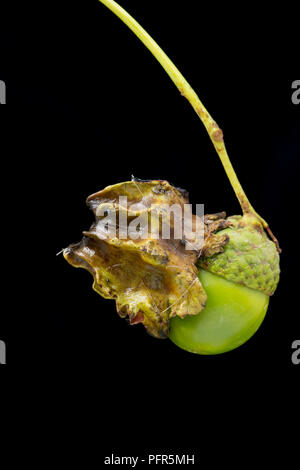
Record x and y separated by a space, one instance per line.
214 132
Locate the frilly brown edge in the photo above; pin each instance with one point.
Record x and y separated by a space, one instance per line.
151 280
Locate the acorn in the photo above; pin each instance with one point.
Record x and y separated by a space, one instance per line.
238 265
238 284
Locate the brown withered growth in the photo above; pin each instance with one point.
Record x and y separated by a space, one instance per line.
151 280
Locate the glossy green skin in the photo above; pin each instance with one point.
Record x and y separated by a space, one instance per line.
233 313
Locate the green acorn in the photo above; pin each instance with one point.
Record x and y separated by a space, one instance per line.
238 282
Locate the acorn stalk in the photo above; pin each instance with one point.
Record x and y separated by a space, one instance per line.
213 130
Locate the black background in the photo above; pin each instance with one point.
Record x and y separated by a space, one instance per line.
88 106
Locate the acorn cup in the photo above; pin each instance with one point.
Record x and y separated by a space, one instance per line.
209 300
249 258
